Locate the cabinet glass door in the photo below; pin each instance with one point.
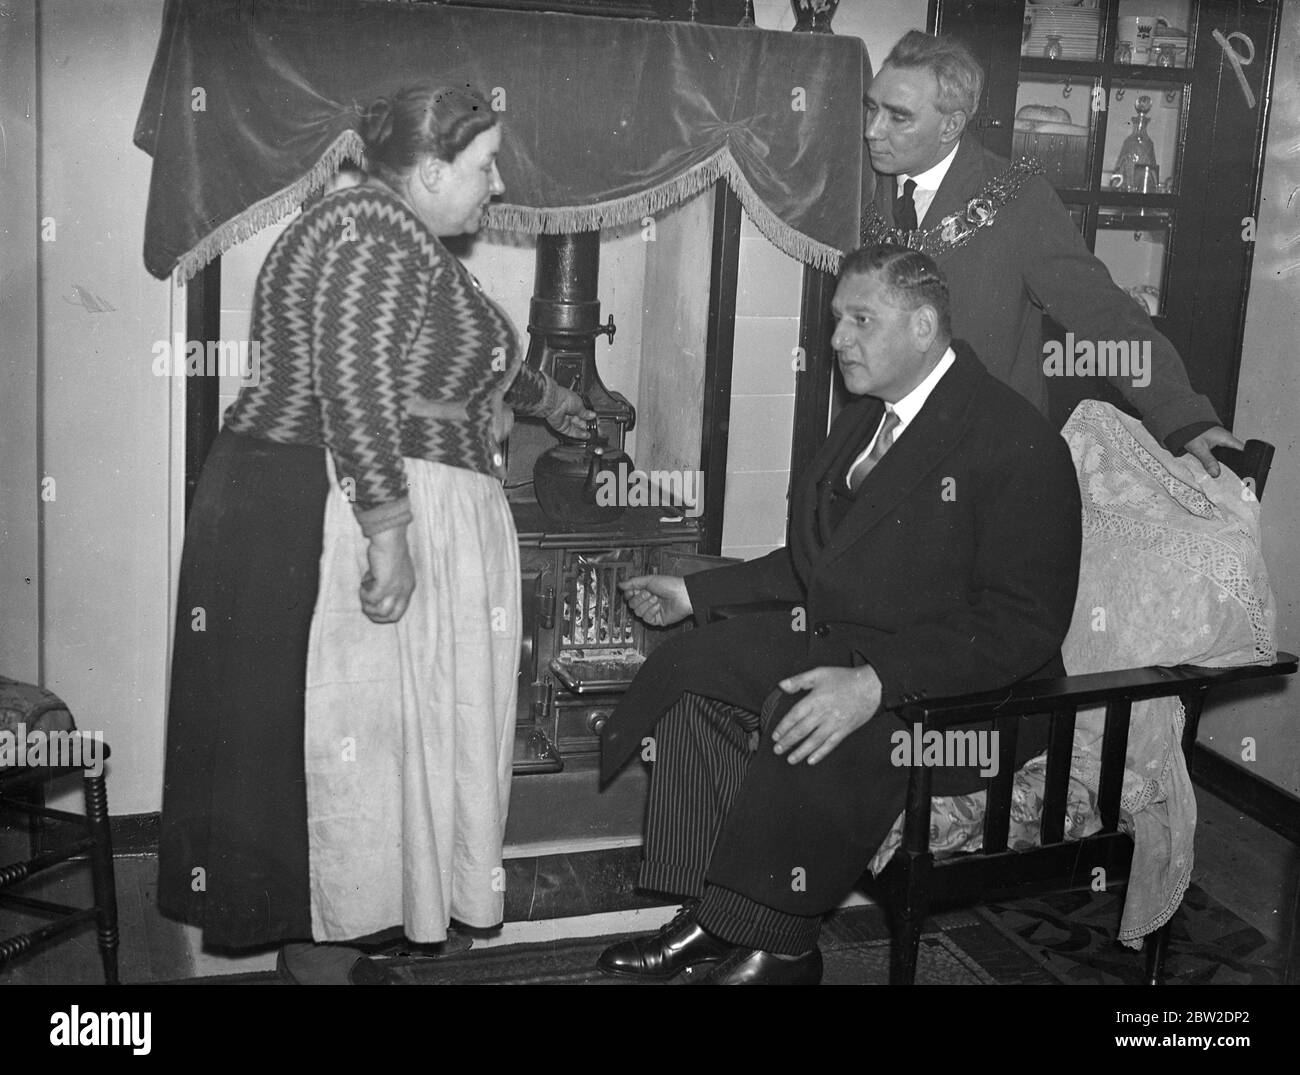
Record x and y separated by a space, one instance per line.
1102 102
1143 138
1133 243
1062 31
1154 33
1055 124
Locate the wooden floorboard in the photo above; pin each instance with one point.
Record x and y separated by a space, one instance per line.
1245 866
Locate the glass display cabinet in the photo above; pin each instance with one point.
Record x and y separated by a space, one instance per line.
1149 117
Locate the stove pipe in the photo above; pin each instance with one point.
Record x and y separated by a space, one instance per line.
564 321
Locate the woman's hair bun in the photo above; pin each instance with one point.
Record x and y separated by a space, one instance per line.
377 126
419 119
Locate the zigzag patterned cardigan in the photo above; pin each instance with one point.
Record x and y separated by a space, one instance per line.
360 310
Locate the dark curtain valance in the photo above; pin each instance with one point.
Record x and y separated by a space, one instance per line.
251 106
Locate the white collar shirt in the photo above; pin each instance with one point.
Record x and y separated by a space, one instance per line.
927 184
908 407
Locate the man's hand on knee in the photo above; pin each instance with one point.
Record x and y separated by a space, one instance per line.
838 703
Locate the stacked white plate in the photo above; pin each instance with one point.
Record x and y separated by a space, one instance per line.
1077 27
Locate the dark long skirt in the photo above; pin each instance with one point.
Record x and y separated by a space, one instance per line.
233 843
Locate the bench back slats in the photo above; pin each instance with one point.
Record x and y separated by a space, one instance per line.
1114 746
1060 752
997 809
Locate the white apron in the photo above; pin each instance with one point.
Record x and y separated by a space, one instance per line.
410 726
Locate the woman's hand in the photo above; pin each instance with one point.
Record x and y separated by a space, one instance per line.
571 415
386 590
659 600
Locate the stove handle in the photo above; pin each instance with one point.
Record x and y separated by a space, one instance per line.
544 603
542 702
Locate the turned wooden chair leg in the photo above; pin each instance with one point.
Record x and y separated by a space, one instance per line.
102 874
911 906
1291 972
1157 945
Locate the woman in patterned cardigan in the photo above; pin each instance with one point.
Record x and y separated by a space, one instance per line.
343 682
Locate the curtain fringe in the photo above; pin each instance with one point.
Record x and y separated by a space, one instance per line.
721 165
531 221
347 146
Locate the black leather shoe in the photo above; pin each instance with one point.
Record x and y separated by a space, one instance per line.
665 953
750 966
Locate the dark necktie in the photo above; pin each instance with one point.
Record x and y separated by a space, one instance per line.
884 440
905 208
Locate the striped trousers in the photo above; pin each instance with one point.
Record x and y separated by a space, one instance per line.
702 750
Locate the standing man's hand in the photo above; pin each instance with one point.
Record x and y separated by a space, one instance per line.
839 702
388 584
659 600
1214 437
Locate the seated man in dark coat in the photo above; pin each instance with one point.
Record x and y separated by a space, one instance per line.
934 549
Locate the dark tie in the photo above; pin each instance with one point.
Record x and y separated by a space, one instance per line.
905 207
884 440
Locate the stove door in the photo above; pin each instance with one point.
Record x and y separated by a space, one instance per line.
536 722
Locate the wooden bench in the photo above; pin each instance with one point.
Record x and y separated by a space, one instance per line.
915 882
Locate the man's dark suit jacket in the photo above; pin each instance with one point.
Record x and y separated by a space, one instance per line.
1032 258
954 570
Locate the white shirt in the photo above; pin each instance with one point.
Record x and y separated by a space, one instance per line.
908 407
927 184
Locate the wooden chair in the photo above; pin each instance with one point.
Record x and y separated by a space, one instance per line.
22 790
915 882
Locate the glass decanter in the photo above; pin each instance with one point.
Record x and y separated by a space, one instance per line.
1138 149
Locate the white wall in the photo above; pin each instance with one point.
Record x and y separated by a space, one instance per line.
105 420
762 397
1268 407
19 342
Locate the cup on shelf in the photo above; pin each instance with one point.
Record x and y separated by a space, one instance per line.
1139 29
1146 179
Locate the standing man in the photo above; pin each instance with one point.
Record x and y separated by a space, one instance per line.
1006 243
934 548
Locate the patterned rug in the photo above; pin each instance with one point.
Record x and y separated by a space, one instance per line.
1072 936
854 943
1059 939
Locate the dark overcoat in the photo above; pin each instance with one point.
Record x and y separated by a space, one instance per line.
955 569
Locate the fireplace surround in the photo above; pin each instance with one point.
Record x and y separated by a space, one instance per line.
580 646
